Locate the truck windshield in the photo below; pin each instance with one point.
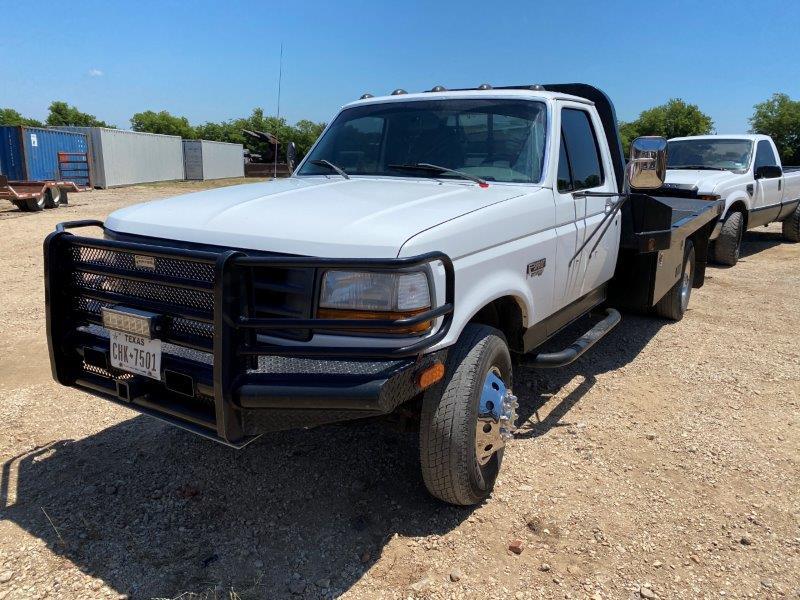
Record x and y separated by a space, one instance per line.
709 154
495 140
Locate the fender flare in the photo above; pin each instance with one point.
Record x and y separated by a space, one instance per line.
738 199
500 284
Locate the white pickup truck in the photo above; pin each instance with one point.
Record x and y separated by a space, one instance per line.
424 240
745 172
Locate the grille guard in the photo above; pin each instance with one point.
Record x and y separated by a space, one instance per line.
234 343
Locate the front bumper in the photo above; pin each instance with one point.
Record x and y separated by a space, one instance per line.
237 356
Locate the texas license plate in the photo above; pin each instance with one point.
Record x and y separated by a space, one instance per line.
136 354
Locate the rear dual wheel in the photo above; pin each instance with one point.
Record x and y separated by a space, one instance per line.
467 418
674 304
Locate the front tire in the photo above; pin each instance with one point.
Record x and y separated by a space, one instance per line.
451 467
728 245
674 304
791 227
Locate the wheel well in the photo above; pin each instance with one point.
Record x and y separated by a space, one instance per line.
504 314
739 206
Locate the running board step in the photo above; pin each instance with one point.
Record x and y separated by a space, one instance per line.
553 360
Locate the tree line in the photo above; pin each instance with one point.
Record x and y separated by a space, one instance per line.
778 117
303 133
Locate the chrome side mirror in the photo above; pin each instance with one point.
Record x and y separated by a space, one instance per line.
647 166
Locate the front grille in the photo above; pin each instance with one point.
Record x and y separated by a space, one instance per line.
144 291
179 327
179 289
107 373
163 266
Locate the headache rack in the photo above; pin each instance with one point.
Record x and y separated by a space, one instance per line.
226 314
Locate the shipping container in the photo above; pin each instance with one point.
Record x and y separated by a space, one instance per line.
122 157
204 159
31 154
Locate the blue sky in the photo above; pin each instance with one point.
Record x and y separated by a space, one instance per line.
217 60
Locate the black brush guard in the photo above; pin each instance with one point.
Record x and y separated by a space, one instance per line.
215 388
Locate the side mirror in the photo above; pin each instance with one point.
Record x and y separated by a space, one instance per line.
647 167
768 172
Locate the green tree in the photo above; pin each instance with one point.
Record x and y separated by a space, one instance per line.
304 133
779 118
9 116
62 113
627 132
676 118
163 122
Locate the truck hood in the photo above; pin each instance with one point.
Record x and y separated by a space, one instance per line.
338 218
703 181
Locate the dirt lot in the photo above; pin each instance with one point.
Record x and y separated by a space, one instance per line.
665 463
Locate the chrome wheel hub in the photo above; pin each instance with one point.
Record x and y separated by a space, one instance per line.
497 416
686 285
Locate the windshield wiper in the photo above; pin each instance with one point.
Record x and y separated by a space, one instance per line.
439 169
326 163
697 167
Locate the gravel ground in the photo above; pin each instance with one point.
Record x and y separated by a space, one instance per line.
664 464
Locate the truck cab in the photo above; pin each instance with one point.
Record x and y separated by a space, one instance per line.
745 171
423 240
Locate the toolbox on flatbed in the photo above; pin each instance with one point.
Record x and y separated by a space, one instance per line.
654 234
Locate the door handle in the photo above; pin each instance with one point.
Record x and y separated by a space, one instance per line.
610 204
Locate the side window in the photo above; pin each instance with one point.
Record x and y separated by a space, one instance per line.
764 155
582 149
564 176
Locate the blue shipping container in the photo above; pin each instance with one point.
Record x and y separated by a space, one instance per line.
31 154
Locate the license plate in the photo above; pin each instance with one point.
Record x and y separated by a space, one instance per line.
136 354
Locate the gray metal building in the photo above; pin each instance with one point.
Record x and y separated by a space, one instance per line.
204 159
122 157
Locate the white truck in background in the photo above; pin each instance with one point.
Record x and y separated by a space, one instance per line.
745 172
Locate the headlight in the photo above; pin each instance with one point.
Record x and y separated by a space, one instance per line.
375 295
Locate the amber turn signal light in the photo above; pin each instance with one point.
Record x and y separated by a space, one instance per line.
430 375
369 315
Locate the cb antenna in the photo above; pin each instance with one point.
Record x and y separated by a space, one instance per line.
278 119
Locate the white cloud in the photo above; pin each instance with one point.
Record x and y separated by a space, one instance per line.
95 73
